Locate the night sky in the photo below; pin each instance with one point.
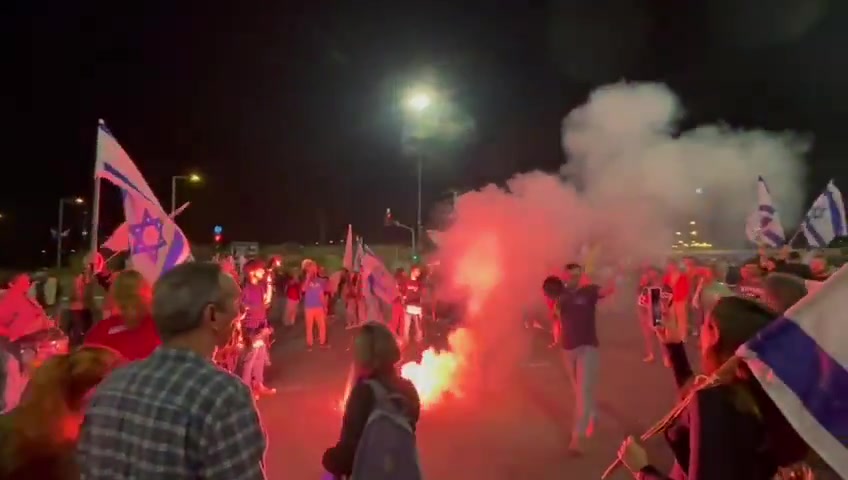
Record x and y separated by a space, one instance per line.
290 110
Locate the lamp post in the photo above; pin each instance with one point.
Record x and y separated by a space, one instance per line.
417 103
60 226
192 178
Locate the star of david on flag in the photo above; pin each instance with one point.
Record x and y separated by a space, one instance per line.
826 218
140 236
156 242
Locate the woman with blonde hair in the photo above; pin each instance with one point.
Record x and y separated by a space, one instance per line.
130 329
38 438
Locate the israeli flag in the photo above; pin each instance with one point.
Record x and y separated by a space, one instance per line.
826 218
156 243
380 282
802 363
763 226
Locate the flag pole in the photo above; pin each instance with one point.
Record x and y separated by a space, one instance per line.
95 200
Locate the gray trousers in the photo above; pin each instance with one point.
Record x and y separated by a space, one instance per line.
581 364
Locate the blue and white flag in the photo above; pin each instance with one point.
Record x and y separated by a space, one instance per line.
826 218
763 226
802 363
156 243
380 282
347 260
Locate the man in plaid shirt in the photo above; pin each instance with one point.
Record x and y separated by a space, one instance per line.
174 415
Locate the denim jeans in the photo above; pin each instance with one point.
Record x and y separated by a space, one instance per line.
581 364
255 361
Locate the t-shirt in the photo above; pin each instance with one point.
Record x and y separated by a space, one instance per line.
253 299
679 288
577 312
133 343
412 292
313 293
751 288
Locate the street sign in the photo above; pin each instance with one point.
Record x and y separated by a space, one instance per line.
246 249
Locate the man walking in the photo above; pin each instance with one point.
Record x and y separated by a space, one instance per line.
576 305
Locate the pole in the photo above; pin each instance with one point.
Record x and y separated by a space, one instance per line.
95 208
794 237
173 193
418 219
59 234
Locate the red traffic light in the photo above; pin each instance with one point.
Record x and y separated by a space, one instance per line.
389 220
218 238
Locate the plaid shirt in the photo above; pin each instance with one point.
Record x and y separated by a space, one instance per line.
172 416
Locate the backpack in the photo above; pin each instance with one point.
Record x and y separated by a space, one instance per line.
387 449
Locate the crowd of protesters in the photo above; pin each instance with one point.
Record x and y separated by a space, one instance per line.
110 409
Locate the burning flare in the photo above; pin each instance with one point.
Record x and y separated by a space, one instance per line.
436 375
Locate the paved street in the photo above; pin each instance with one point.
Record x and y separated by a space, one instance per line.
517 430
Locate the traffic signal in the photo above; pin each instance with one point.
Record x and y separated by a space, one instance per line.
218 230
389 220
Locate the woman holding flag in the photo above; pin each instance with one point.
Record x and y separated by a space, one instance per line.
727 429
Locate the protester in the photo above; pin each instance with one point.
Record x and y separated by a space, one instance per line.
782 290
730 430
293 294
20 315
375 358
82 305
678 282
794 265
38 438
354 301
130 330
820 268
751 284
651 279
256 298
576 303
411 299
710 289
175 415
279 280
397 318
13 378
314 305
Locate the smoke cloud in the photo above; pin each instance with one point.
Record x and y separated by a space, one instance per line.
631 181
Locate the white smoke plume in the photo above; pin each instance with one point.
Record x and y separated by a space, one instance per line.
630 183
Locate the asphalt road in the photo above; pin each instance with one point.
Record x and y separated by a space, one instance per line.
514 429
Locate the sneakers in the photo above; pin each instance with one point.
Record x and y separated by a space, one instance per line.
261 390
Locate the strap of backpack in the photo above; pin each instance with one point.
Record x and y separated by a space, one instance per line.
383 398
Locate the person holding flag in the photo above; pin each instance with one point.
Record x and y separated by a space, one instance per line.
763 227
156 243
826 218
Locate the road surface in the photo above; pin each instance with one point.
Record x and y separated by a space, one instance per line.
515 430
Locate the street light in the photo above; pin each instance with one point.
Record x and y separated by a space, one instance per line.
62 202
417 102
191 178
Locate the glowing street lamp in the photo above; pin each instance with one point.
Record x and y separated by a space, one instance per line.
692 222
419 101
191 178
693 232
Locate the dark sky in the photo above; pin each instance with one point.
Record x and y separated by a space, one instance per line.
289 109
